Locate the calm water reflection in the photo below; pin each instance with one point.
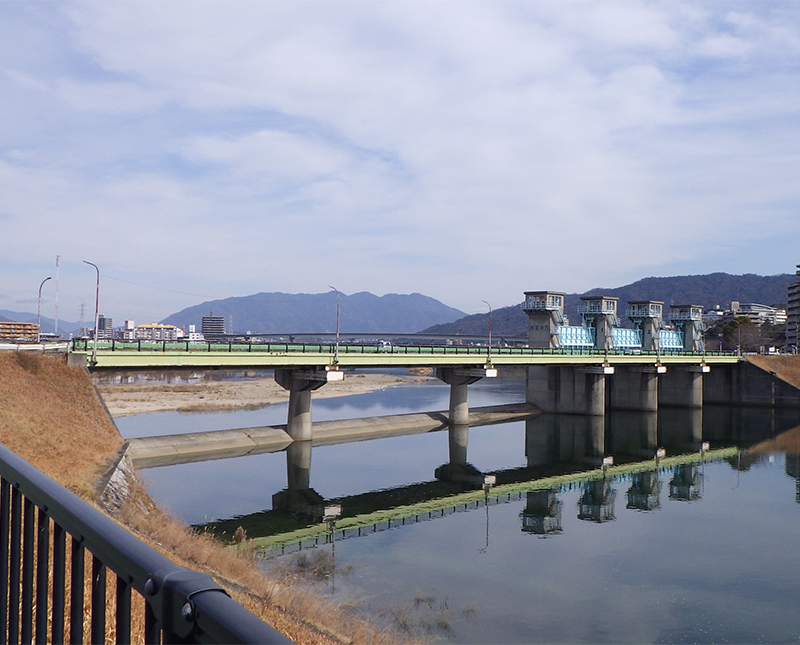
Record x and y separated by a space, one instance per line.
694 553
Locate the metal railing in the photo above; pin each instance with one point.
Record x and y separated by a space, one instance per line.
54 547
81 345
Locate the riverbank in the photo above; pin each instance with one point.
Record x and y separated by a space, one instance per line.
215 396
51 416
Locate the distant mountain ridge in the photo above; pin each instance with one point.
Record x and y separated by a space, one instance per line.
707 290
274 313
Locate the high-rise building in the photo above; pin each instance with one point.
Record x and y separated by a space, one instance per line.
793 313
105 327
213 325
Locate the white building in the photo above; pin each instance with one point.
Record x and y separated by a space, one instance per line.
194 336
157 331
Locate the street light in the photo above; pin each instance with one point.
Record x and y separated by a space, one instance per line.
489 350
39 311
336 350
96 310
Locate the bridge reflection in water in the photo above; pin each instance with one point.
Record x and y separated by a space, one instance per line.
562 453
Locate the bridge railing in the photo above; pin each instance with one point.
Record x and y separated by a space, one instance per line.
55 549
360 348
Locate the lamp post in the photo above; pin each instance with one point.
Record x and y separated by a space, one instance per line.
39 311
489 349
336 349
96 310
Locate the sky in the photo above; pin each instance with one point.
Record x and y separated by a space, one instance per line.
469 151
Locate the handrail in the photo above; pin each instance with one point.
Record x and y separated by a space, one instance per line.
361 348
181 605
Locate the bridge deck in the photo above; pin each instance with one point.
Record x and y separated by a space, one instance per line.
179 355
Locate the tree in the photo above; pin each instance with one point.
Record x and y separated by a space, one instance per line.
741 334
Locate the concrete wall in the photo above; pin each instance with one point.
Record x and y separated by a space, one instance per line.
682 386
633 388
746 384
566 389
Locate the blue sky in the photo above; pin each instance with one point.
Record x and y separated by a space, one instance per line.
466 150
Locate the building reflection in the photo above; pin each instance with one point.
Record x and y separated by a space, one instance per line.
542 513
596 503
644 493
686 483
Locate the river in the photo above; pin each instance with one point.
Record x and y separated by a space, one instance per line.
701 552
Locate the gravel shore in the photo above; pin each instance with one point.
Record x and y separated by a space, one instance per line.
212 396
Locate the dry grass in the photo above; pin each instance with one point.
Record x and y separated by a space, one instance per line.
786 368
51 415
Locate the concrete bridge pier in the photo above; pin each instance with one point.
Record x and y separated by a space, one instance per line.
300 383
682 386
458 379
635 387
568 389
457 443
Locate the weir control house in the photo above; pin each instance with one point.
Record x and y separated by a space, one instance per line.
585 388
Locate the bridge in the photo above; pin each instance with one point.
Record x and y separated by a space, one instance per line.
574 369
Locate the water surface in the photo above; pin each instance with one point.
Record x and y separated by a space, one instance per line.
701 553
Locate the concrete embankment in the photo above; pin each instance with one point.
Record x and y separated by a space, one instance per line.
167 450
758 380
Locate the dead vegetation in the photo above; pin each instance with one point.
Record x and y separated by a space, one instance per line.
786 367
51 416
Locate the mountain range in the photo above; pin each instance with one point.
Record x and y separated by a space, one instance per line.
711 290
282 313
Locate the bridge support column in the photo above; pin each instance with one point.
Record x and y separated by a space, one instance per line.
682 386
458 379
635 387
300 383
568 389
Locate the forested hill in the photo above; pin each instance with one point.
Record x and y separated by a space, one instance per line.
303 312
706 290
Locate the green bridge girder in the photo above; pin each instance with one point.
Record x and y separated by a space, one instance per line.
235 356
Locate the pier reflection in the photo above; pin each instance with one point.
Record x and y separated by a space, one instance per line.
561 453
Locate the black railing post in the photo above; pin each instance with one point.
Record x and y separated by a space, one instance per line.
59 580
28 537
14 564
42 595
76 594
123 618
5 493
98 628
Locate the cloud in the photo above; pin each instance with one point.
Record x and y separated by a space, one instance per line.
466 150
